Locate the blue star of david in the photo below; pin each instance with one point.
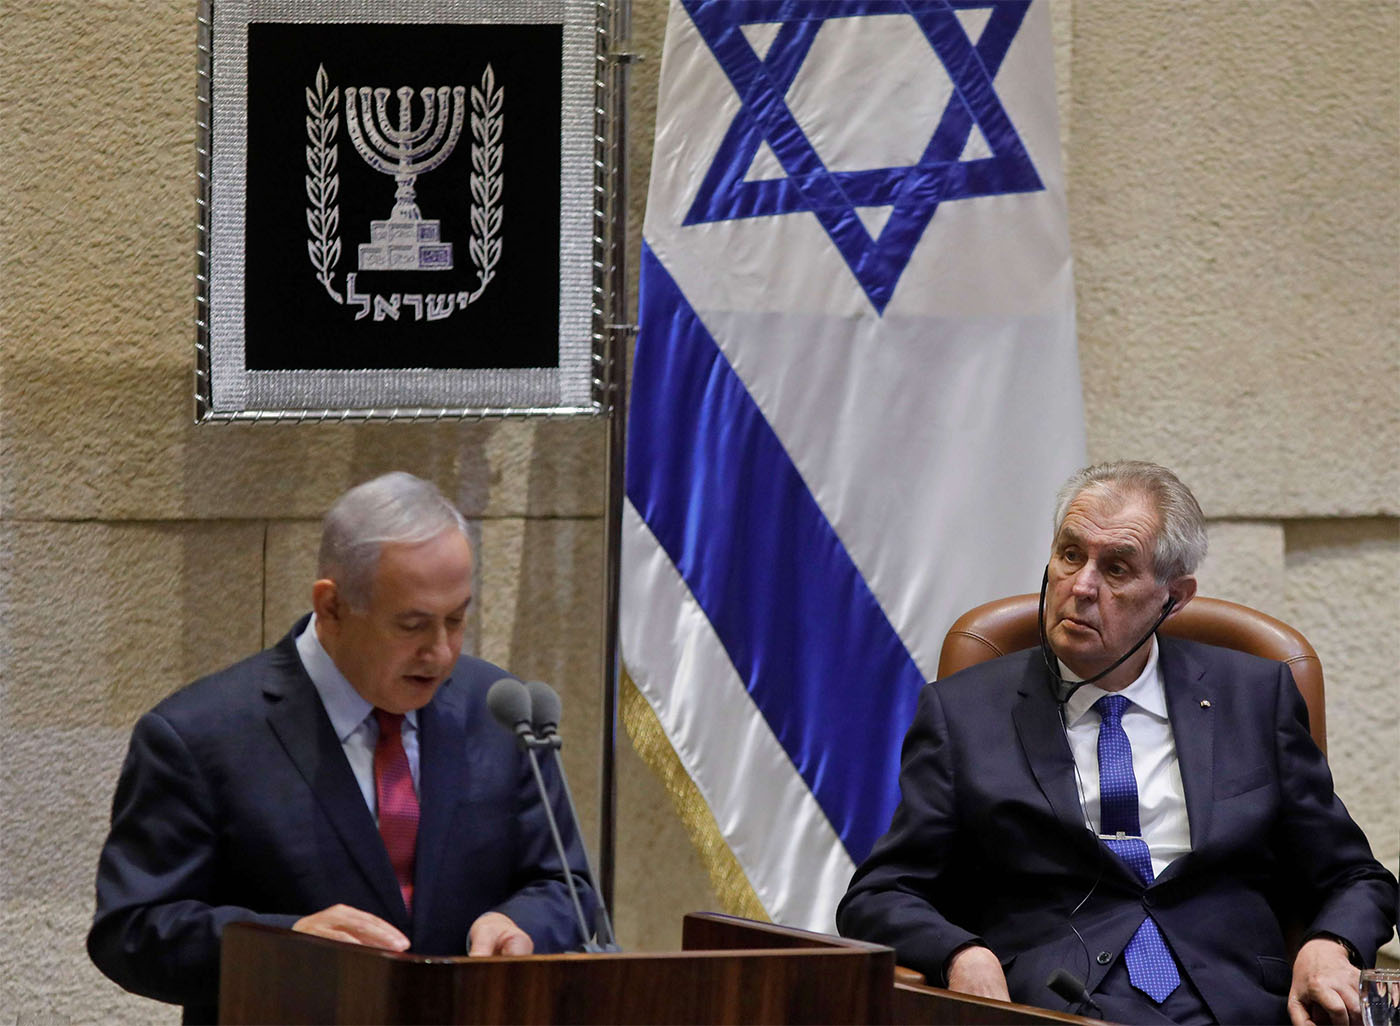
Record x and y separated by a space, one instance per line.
915 192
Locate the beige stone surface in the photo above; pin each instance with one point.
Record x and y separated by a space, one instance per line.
105 619
1235 219
1341 593
49 978
1245 565
290 552
57 792
102 621
541 606
91 433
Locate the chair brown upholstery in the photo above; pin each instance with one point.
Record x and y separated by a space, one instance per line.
1009 624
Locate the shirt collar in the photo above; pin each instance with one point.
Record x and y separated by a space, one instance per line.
345 706
1147 692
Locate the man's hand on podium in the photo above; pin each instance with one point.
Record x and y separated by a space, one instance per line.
975 970
495 933
344 923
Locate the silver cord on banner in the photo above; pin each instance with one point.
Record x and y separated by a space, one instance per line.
203 389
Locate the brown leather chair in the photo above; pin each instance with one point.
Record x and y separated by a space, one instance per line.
1009 624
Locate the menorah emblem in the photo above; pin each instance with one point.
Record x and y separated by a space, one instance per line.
406 241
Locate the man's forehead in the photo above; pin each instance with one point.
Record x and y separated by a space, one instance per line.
412 610
432 577
1121 526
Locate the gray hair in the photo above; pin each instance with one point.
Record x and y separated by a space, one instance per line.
394 509
1181 527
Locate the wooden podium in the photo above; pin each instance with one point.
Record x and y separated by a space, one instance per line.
730 971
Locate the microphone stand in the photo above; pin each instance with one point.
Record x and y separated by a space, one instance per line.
545 714
607 939
530 743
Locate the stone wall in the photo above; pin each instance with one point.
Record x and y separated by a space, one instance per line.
1235 206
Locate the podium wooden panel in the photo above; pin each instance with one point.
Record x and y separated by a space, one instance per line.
731 970
277 976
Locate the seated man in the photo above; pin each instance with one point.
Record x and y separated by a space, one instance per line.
1138 811
348 782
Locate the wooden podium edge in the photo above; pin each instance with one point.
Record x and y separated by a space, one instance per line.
913 999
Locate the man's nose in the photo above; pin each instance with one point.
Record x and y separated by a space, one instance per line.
438 644
1086 581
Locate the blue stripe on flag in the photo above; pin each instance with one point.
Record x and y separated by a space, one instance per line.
714 483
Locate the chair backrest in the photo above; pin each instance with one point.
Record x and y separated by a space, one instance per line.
1009 624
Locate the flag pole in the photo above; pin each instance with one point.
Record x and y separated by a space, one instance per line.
611 224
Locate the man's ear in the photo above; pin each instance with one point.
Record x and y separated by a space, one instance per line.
326 601
1181 591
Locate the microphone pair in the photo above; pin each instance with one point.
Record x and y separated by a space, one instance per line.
532 712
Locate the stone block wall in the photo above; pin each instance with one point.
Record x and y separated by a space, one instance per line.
1235 207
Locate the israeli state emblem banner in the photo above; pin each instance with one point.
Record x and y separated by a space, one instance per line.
398 214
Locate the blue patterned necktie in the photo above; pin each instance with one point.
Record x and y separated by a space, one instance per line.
1151 967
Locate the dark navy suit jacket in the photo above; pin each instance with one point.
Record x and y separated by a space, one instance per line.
989 843
236 803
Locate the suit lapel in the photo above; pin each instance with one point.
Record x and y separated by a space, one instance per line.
441 770
1193 728
297 717
1043 740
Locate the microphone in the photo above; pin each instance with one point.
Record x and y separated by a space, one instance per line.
1070 987
545 712
509 703
1063 690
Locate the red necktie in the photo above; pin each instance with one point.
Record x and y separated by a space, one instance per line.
398 804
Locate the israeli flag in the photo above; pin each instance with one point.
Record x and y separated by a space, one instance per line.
856 390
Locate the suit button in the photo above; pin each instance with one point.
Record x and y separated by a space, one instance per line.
1105 957
1149 900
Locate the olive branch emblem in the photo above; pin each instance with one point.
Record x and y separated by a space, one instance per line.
486 180
322 183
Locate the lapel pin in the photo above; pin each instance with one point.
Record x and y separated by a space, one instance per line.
1205 703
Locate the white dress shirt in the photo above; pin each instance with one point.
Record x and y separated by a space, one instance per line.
352 716
1161 796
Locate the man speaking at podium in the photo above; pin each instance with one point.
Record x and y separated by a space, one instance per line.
1122 813
348 783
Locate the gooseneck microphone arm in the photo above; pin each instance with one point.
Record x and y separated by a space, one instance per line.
509 703
1062 689
545 713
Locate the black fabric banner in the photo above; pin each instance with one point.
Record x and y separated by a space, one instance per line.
445 255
